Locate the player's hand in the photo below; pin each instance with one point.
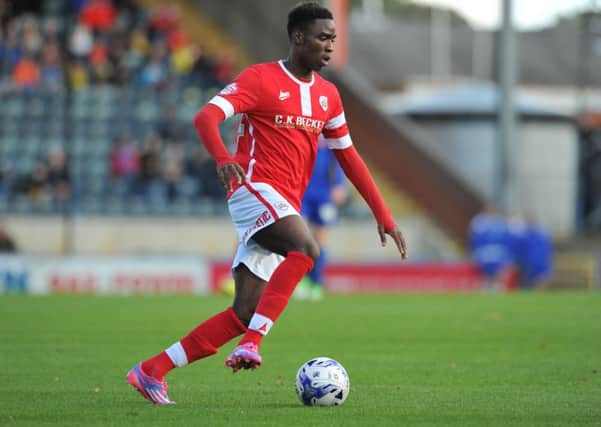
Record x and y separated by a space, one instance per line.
396 235
227 171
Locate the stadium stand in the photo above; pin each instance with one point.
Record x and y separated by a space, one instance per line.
82 79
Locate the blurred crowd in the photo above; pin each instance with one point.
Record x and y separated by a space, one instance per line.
75 44
101 41
158 170
502 245
48 184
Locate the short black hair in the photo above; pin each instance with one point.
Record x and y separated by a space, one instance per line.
304 13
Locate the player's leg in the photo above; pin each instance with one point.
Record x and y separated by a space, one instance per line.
202 341
289 237
249 288
309 212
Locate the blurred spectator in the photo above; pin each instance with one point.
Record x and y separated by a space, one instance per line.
490 246
36 185
7 243
31 39
81 41
164 19
170 130
125 159
78 75
101 69
202 169
149 182
26 73
182 60
50 31
59 177
138 47
118 59
125 164
203 71
98 15
225 66
52 70
155 71
11 49
173 169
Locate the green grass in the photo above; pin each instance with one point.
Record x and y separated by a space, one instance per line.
529 359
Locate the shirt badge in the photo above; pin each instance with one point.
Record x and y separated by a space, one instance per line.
323 101
284 95
229 89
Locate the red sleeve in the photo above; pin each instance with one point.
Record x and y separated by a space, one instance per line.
206 123
355 169
239 96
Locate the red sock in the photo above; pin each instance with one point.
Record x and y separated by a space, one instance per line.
158 365
276 295
211 334
203 341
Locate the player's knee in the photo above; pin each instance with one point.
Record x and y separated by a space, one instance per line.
309 248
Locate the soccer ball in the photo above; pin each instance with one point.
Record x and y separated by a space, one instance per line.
322 381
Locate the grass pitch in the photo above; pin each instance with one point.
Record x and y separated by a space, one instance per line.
529 359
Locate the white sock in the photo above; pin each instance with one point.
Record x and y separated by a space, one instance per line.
177 355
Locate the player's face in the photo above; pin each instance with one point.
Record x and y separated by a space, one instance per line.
318 45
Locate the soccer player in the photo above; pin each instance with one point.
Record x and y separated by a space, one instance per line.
325 193
490 243
285 106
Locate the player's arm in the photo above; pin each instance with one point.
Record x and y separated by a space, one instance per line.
237 97
356 170
207 122
337 138
339 191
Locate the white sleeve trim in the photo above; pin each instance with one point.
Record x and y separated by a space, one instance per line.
336 122
225 105
339 143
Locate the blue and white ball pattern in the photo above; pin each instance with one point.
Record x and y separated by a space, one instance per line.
322 381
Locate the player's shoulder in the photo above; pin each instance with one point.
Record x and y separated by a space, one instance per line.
321 80
326 86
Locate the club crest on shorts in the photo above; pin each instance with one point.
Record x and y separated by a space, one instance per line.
281 206
323 101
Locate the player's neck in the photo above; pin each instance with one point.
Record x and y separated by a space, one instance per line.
300 72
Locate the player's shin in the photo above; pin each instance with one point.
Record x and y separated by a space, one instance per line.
276 295
202 341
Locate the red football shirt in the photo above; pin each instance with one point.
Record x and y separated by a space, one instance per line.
282 118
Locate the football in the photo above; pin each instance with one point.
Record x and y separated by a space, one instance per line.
322 381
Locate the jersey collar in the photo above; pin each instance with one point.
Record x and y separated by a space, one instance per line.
293 77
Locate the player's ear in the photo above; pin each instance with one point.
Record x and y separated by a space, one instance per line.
298 37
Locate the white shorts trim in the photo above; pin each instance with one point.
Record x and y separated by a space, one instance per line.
253 207
261 262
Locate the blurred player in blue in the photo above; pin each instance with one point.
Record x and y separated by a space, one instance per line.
492 246
326 192
533 252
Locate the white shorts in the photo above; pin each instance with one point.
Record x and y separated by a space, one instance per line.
253 207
